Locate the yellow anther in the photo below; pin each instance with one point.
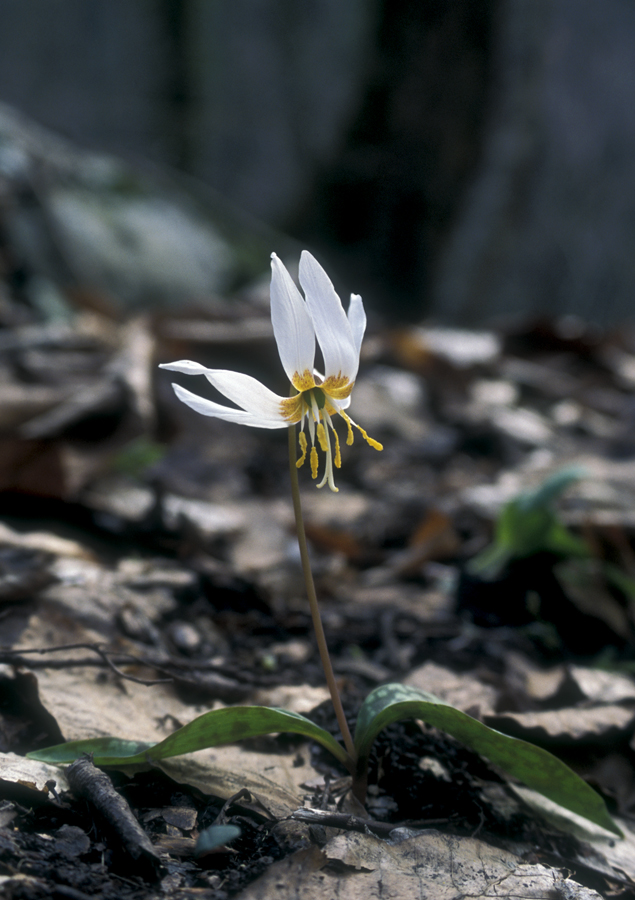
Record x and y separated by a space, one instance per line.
373 443
338 455
303 448
321 436
314 462
349 436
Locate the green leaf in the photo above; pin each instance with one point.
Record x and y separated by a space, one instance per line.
100 748
137 456
216 836
528 524
619 579
535 767
219 726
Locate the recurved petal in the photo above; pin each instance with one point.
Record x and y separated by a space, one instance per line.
216 410
246 392
331 324
357 320
186 366
292 326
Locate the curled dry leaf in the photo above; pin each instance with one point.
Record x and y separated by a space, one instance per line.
30 774
565 725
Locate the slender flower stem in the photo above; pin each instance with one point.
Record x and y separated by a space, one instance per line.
313 603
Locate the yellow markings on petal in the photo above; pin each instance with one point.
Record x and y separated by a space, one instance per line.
338 386
303 447
314 463
304 381
291 409
321 436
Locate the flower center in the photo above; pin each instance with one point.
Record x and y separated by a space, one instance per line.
316 405
318 395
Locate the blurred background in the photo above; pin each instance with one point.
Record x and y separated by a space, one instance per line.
464 160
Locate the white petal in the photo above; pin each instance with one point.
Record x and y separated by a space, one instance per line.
357 320
329 319
340 404
209 408
186 366
292 326
241 389
246 392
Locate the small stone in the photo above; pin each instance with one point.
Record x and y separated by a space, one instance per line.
185 637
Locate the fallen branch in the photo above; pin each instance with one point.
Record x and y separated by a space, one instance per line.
228 686
354 823
85 780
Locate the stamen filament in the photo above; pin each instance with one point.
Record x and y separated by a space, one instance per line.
328 470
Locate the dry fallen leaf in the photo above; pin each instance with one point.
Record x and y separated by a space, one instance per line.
90 703
565 725
31 774
600 850
44 541
536 683
298 698
274 779
602 687
465 692
427 865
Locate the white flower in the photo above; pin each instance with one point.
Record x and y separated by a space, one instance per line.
296 324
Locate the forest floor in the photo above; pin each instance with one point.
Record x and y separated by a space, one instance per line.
149 572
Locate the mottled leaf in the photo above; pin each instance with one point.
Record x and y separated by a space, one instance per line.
219 726
535 767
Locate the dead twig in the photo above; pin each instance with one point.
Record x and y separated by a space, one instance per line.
352 823
18 658
229 687
250 804
169 666
85 780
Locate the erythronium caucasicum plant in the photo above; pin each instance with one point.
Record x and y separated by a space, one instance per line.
316 399
314 402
